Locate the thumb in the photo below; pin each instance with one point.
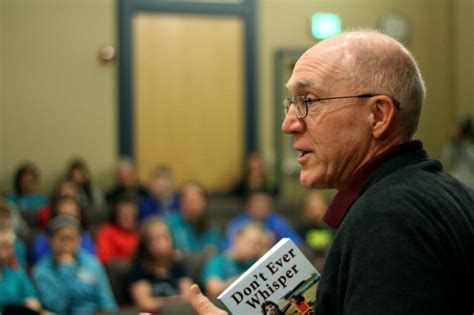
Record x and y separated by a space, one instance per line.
201 303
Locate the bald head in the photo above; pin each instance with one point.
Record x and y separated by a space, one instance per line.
371 62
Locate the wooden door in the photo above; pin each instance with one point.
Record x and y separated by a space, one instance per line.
188 97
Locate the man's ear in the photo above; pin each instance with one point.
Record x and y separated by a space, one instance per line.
382 116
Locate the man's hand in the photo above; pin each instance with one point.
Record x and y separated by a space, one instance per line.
201 303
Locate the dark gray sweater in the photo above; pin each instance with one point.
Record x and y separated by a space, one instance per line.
406 245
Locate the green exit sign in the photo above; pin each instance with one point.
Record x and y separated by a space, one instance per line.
324 25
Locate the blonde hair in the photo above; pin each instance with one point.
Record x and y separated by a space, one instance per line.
10 236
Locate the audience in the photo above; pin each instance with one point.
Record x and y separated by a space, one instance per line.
222 269
254 178
162 200
127 184
25 196
162 237
190 227
16 289
71 281
7 223
64 206
158 276
258 209
118 238
90 196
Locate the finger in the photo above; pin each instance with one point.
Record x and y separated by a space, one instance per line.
201 303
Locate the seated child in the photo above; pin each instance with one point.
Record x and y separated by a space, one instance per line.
6 222
70 281
162 200
190 228
158 275
118 238
258 209
26 197
15 286
69 206
222 269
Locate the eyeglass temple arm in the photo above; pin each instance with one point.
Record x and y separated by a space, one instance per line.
395 102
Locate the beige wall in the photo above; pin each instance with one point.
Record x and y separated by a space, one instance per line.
58 101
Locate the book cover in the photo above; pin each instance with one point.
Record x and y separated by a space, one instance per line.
283 281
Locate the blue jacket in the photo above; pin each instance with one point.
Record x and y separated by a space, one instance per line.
151 206
80 288
274 223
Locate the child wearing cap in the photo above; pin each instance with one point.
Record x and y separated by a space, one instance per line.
68 280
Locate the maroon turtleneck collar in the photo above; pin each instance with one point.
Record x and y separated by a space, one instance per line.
353 185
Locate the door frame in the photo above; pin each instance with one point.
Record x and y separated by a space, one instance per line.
127 9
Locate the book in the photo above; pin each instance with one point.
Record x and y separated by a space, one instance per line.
283 281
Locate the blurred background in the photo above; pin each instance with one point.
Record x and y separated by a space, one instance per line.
199 83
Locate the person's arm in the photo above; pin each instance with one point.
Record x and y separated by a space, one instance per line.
215 285
143 298
30 301
201 303
213 276
33 304
184 284
53 297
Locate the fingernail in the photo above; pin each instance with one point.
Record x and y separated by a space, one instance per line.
195 289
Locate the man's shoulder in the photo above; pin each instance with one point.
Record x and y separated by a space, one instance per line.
416 197
416 184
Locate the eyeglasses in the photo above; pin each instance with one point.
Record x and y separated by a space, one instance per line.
301 102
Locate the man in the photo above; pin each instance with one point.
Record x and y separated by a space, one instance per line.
405 239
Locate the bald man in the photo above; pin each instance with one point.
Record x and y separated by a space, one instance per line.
405 229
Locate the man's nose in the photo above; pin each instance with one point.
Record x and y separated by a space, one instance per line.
291 123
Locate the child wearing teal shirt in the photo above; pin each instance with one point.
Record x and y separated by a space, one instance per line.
16 289
190 229
25 196
222 269
186 236
71 281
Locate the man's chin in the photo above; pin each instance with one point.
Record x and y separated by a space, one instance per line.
306 180
312 182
